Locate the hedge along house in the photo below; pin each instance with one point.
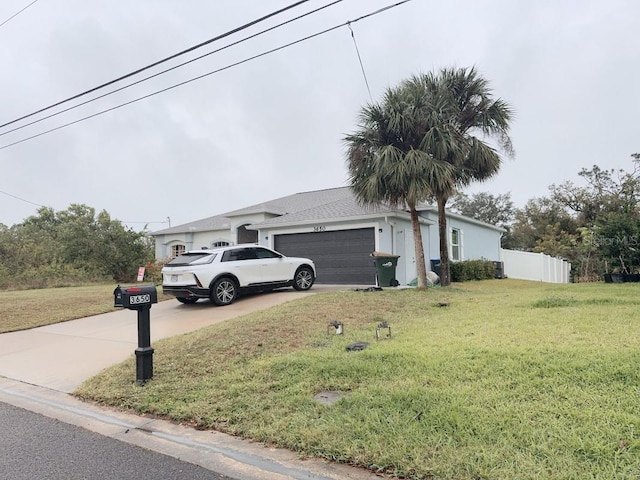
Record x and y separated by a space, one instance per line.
337 233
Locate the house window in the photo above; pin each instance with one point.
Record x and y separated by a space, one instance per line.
456 244
219 244
177 250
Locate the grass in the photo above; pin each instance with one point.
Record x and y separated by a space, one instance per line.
508 379
23 309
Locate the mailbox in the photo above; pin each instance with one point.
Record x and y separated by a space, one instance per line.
136 297
140 298
117 297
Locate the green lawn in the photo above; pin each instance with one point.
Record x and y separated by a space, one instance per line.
23 309
511 380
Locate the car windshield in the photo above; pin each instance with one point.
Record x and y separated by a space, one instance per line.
192 258
264 253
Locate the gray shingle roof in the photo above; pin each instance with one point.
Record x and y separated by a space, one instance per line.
319 205
219 222
279 206
295 203
346 207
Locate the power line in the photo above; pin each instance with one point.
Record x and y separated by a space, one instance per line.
21 199
168 220
175 55
169 69
160 73
364 74
17 13
268 52
145 223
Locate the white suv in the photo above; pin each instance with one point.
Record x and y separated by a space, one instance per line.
221 274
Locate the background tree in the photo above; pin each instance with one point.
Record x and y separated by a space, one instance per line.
618 239
605 191
608 209
69 247
595 226
537 219
497 210
493 209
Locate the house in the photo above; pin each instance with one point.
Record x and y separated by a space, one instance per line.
337 233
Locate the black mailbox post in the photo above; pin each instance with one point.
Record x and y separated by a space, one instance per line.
140 298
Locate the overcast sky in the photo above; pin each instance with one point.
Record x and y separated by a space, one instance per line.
274 126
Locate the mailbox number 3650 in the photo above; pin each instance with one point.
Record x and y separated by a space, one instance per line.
138 299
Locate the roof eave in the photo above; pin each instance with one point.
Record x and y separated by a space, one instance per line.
352 218
466 219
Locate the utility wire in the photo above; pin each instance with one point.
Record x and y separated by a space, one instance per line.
21 199
18 13
226 34
268 52
168 220
169 69
364 74
146 223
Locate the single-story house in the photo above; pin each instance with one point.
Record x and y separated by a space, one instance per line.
337 233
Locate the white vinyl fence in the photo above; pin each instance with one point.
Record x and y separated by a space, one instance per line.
535 266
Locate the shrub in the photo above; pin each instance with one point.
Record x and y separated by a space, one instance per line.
472 270
152 271
49 276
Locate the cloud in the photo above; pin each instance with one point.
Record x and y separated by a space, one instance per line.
274 126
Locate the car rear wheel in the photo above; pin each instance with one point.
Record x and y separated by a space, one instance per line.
303 279
224 291
187 300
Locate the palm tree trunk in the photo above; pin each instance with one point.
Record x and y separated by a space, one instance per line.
417 241
445 276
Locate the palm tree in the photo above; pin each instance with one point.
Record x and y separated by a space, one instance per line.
387 163
464 118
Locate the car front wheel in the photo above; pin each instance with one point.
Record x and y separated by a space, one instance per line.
224 291
303 279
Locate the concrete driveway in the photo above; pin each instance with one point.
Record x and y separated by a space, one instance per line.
63 355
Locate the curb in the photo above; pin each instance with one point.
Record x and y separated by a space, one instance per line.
212 450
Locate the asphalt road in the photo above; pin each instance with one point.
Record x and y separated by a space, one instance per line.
35 446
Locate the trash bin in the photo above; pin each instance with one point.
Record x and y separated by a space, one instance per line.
386 264
499 269
435 266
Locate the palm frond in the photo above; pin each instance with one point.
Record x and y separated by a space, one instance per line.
419 140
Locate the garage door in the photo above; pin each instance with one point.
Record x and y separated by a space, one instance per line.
341 257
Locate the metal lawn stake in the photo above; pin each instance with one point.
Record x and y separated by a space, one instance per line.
335 327
140 298
383 326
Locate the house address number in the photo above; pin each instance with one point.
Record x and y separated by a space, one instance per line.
139 299
319 228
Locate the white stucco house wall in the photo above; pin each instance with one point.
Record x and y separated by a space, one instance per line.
338 234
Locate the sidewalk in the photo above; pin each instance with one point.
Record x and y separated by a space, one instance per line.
42 366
